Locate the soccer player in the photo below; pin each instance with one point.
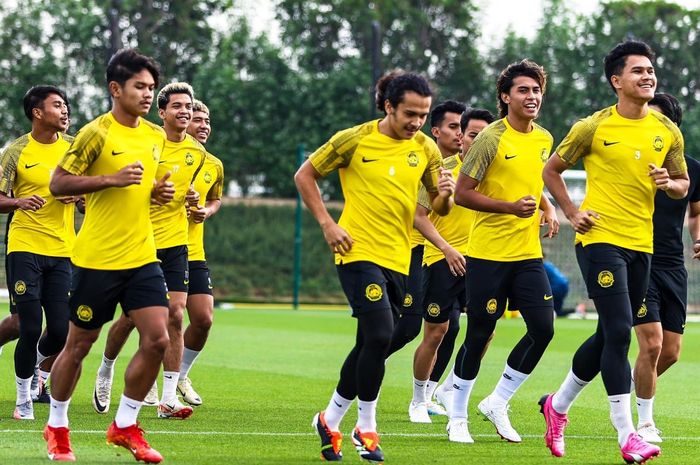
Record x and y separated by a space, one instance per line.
209 183
501 179
443 261
629 153
113 161
659 323
381 164
472 122
40 236
181 159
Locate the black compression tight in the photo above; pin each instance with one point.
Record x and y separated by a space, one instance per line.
406 329
30 319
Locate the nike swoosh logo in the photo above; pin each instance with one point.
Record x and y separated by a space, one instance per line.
336 403
548 297
606 143
162 161
117 153
30 166
508 157
168 377
367 160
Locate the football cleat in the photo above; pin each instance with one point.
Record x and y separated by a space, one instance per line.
24 411
418 412
636 450
42 395
458 431
131 438
556 422
151 399
367 446
435 409
102 394
331 441
58 444
189 395
444 396
649 433
498 415
174 409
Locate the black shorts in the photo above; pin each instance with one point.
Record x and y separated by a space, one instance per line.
609 270
522 284
370 287
173 262
38 277
96 293
200 281
443 292
666 301
415 284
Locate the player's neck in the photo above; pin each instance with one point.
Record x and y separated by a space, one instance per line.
519 124
174 135
125 118
44 135
632 109
445 152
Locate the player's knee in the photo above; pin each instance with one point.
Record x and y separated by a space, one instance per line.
669 355
175 320
156 344
202 321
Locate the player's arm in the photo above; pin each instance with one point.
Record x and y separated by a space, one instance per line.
549 216
422 223
441 201
9 204
64 183
467 196
694 227
674 185
582 221
306 181
201 213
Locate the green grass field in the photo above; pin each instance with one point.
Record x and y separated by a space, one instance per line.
266 372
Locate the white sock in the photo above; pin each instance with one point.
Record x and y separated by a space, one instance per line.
621 416
23 387
568 392
58 414
127 412
188 358
460 399
367 415
169 386
44 375
336 410
447 384
509 382
645 411
419 390
430 387
106 369
40 357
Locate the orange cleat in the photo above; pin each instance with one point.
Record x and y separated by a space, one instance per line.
132 438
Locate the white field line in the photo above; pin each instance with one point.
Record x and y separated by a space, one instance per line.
299 434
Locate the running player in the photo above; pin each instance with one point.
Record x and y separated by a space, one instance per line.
181 159
501 179
381 164
113 161
209 183
40 236
629 153
659 323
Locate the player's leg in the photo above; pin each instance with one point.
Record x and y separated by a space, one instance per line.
410 317
117 335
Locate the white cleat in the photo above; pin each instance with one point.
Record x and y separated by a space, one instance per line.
152 399
435 409
649 433
458 431
24 411
498 415
189 395
444 396
418 412
102 394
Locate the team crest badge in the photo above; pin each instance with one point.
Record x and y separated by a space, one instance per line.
642 312
492 306
207 177
189 159
84 313
544 156
433 309
605 279
412 159
658 143
407 300
20 287
373 292
156 153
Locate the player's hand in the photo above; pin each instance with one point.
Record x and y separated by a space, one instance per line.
192 197
660 176
455 260
198 214
696 250
163 190
66 199
524 207
446 183
337 238
549 217
32 203
130 174
583 221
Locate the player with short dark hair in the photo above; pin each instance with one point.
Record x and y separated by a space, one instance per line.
624 142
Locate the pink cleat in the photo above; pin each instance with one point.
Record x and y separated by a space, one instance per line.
556 422
636 450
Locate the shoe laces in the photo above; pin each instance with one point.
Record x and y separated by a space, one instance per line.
559 421
186 384
61 437
135 434
104 386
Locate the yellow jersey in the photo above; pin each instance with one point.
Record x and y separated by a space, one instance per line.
183 159
616 153
27 168
508 165
116 233
210 185
380 178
